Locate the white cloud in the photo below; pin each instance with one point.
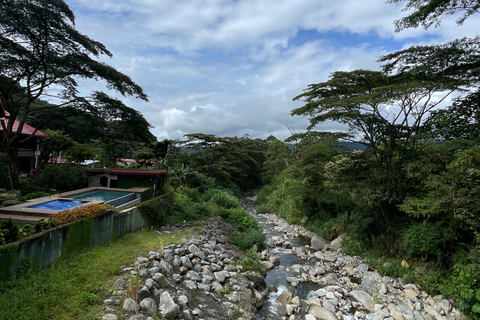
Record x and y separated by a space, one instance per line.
231 67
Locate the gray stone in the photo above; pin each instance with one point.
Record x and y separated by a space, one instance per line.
190 284
285 297
153 270
322 313
318 243
160 279
110 316
149 306
186 262
137 317
364 298
143 293
192 275
193 249
167 307
130 305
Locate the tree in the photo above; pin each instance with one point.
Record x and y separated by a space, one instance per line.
52 146
228 159
277 158
40 49
430 12
460 120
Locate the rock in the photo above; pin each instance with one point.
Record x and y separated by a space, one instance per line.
193 249
259 299
410 294
285 297
321 313
136 317
130 305
337 242
110 316
310 317
318 243
143 293
364 298
275 261
267 265
160 279
167 307
149 306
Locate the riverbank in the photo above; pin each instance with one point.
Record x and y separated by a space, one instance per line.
303 277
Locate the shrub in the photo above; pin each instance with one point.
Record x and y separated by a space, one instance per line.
222 198
463 286
11 202
62 177
251 261
422 240
156 210
9 231
252 237
78 213
34 195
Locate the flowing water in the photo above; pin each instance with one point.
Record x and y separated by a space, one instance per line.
277 276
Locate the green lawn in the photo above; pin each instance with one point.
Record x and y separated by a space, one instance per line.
74 288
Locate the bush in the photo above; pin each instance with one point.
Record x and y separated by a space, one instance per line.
9 231
62 177
422 240
251 261
222 198
156 210
34 195
252 237
67 216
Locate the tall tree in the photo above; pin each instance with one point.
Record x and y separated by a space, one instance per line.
40 49
431 12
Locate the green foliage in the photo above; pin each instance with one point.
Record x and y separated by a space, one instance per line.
62 177
78 237
393 268
248 239
422 240
8 253
9 231
222 198
463 286
277 158
89 298
156 210
34 195
251 262
236 161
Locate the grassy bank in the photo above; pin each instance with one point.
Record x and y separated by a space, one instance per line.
74 288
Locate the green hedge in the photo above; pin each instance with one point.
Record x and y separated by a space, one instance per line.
156 210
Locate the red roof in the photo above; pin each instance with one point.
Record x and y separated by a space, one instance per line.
26 130
133 172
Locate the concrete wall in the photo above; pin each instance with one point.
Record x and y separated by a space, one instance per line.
39 251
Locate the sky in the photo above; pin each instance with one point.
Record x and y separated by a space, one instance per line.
232 67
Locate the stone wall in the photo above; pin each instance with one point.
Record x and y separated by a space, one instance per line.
39 251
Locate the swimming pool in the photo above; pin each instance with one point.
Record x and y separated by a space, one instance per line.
57 205
100 195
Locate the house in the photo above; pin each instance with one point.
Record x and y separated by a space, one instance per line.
29 151
127 178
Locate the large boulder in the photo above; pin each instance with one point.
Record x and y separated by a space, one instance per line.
167 307
318 243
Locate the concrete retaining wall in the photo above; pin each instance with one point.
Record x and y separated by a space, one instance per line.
39 251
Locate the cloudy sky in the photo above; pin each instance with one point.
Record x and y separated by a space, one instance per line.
232 67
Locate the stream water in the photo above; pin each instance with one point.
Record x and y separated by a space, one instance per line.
277 276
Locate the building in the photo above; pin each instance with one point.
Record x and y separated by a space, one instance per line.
29 151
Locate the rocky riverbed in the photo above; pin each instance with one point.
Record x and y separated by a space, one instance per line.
304 277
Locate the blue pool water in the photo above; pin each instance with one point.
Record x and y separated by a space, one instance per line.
101 195
57 205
